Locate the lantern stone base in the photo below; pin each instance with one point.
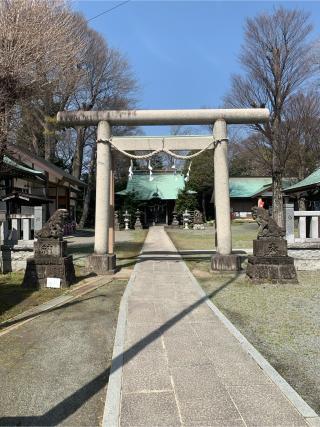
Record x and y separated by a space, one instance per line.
225 262
102 264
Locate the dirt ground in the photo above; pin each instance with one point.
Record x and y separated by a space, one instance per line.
14 299
55 368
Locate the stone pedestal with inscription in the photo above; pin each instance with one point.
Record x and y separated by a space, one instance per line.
270 262
50 260
50 256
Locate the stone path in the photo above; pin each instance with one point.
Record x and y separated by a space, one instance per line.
181 365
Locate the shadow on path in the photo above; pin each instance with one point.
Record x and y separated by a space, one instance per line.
71 404
59 307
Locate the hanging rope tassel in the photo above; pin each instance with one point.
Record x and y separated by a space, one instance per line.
174 166
188 173
150 170
130 175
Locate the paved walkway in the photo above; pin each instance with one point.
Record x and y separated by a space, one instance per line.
181 365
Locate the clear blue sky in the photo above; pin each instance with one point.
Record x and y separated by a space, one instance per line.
182 52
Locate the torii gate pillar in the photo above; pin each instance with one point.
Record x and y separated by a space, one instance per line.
223 259
102 261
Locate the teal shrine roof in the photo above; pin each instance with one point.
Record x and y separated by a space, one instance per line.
164 186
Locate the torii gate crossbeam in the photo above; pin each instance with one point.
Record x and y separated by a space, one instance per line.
103 260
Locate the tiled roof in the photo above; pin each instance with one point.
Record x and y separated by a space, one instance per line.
16 165
309 181
163 186
248 186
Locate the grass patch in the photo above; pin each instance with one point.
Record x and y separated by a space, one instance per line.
242 236
14 299
127 247
281 321
128 250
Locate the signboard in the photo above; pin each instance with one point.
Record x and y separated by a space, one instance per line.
53 282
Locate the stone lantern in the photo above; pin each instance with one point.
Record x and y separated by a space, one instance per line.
175 222
126 217
138 225
186 219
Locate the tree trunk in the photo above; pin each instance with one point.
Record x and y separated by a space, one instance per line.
3 136
35 143
5 113
277 199
78 154
91 180
49 141
277 171
203 202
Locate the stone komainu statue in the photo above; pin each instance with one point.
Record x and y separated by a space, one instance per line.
54 227
268 228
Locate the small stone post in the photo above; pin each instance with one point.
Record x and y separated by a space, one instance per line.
26 229
3 227
314 227
289 222
116 221
39 217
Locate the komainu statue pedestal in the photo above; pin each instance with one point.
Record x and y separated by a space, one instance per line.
50 256
270 262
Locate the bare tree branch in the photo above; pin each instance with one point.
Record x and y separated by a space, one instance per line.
277 60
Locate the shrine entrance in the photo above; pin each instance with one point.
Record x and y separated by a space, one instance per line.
103 260
156 212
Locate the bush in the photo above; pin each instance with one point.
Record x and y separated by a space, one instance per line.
186 201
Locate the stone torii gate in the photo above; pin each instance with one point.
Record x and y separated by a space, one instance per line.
103 260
